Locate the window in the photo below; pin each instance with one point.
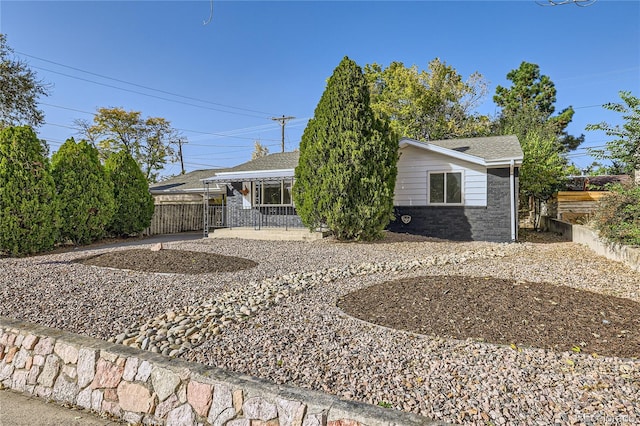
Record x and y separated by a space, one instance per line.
273 193
445 188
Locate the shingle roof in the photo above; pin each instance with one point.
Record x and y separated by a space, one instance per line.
278 161
193 180
489 148
187 181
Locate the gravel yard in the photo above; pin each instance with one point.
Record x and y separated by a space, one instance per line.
290 329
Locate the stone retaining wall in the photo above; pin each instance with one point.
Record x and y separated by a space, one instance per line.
584 235
143 387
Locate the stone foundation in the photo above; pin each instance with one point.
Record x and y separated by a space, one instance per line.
147 388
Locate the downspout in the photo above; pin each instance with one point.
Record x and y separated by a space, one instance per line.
512 186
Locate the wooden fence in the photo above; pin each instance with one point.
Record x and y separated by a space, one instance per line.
574 205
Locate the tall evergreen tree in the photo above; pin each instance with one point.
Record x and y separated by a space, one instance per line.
84 190
528 105
28 206
347 170
133 201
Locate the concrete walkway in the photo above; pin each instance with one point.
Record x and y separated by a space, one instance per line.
17 409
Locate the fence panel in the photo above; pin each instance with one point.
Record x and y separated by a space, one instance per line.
172 218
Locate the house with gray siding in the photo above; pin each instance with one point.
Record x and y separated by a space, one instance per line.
259 192
458 189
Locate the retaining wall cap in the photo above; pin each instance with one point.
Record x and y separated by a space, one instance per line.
253 387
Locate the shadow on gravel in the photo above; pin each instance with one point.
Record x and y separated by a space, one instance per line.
501 311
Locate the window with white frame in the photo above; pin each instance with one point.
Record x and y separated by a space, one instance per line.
445 187
273 192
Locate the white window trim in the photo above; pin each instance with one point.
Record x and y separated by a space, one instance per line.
462 184
255 186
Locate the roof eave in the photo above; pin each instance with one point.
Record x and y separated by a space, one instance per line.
250 175
505 162
444 151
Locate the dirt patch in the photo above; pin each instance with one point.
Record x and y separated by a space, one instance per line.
503 311
169 261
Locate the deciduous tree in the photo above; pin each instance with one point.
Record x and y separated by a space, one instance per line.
259 150
347 169
542 172
148 140
624 150
19 91
84 190
29 215
618 214
428 105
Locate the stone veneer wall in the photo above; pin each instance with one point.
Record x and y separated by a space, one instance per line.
142 387
265 217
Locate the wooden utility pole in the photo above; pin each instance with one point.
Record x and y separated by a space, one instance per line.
283 120
180 142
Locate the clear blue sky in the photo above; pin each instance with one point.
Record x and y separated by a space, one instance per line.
256 60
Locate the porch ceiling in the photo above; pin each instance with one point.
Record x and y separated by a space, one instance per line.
251 176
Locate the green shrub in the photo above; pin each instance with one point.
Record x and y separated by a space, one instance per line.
618 215
84 190
28 207
133 201
347 170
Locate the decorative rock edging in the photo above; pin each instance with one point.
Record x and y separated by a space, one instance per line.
174 333
142 387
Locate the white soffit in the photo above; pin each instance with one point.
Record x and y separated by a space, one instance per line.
251 175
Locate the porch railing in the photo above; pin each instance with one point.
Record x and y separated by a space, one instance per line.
263 217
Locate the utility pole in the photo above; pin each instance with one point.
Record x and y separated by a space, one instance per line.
180 142
283 120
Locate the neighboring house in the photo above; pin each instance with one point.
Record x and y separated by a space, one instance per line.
179 203
185 189
246 194
459 189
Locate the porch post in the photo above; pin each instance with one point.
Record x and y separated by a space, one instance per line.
205 208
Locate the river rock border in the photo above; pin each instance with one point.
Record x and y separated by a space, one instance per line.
141 387
174 333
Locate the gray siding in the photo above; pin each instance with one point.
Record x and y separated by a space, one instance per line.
464 223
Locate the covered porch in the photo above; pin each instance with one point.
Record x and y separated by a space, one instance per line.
258 205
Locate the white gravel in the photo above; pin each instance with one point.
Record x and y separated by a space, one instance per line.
303 339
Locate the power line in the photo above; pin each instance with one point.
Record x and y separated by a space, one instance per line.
134 84
221 135
148 95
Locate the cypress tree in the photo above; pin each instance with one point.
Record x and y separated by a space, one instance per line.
84 190
28 207
347 170
133 201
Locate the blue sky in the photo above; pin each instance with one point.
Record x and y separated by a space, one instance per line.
257 60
